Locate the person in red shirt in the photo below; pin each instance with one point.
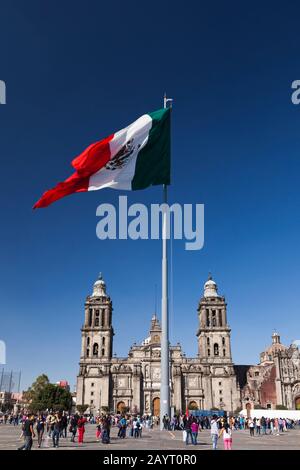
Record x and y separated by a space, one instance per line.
80 427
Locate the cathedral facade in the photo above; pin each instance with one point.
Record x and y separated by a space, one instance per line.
208 381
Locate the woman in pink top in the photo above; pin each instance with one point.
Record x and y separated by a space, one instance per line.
194 429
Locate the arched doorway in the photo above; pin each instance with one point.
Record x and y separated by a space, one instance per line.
121 407
156 406
193 405
297 403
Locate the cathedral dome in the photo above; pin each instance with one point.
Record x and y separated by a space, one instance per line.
210 288
99 288
276 346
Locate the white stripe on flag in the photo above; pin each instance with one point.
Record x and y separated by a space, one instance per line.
121 178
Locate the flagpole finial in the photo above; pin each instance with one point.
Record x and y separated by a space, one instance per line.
167 100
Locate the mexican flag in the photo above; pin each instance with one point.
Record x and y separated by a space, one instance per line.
133 158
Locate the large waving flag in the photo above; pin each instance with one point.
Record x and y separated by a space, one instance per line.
133 158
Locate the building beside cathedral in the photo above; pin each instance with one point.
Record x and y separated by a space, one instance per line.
208 381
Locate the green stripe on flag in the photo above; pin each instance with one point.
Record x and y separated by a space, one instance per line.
153 161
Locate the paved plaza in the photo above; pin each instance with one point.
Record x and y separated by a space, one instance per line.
155 439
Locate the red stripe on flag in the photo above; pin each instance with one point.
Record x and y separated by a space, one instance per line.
73 184
91 160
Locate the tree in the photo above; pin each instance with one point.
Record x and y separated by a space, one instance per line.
82 408
43 395
38 385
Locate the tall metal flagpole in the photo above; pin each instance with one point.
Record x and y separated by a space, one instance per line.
165 379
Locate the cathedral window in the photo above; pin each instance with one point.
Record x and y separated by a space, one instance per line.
220 383
95 349
220 318
207 317
88 341
207 341
103 341
92 401
214 320
87 353
90 316
102 316
216 349
223 341
92 384
220 392
224 352
97 321
208 352
92 394
103 351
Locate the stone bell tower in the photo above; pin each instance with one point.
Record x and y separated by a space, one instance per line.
97 334
214 332
97 331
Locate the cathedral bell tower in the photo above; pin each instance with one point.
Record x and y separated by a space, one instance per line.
97 331
214 332
93 380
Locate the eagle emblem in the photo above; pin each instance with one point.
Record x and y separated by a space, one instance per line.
121 158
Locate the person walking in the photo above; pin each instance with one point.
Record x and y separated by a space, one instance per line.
98 431
188 430
81 429
122 428
214 431
263 423
257 426
56 430
73 427
40 427
28 433
64 425
194 429
227 436
251 427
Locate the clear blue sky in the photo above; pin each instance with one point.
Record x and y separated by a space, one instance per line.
77 71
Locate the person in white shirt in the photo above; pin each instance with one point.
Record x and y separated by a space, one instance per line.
214 431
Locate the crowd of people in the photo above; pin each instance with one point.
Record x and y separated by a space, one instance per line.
49 428
224 427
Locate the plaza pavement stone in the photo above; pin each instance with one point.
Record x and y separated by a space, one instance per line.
154 439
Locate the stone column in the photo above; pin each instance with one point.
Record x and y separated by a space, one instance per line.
80 391
177 389
136 388
104 388
278 385
208 399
